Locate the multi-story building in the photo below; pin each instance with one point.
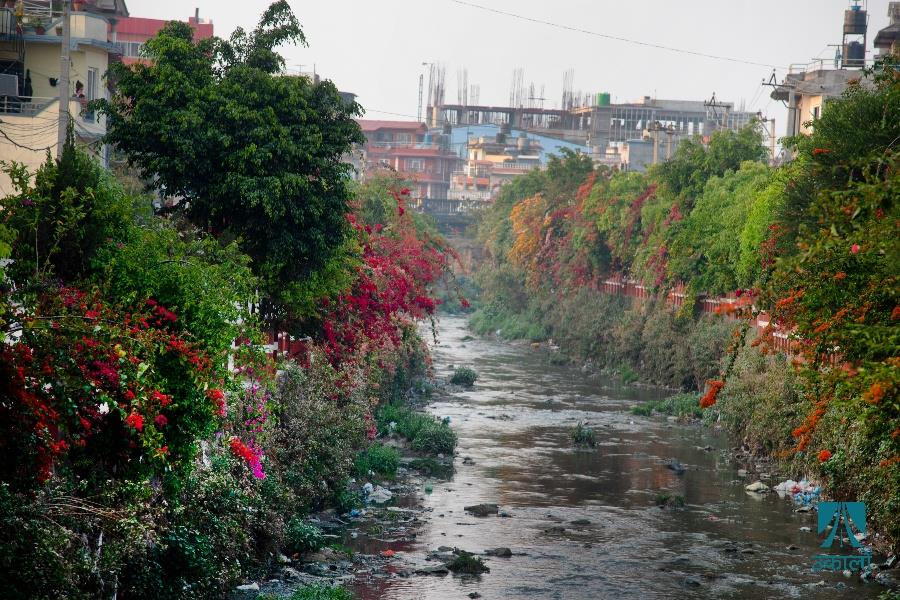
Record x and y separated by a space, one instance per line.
407 148
887 40
492 161
30 48
132 32
807 88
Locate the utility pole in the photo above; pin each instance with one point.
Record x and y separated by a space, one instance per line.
421 89
64 80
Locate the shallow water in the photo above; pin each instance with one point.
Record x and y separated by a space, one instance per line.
515 425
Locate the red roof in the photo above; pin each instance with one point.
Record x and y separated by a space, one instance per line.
141 27
375 125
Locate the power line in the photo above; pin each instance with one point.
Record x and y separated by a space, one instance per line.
616 37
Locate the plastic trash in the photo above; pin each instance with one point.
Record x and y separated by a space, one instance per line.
368 489
379 495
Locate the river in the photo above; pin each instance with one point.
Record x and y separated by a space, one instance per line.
515 424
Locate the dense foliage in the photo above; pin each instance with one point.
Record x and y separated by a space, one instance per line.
813 242
252 154
160 452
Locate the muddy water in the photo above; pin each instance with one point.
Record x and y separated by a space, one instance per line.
514 424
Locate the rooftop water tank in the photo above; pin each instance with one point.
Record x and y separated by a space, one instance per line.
854 21
854 55
603 99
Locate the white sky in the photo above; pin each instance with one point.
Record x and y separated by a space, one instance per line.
375 48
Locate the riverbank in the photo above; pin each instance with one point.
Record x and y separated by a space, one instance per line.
583 523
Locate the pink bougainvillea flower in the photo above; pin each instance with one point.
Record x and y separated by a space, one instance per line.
854 249
161 420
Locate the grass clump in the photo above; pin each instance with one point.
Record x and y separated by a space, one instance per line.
313 592
378 459
683 406
467 563
664 500
464 376
583 436
300 536
627 374
424 432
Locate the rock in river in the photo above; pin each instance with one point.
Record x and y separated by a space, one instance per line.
500 552
757 487
482 510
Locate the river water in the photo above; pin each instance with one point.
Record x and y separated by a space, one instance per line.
515 423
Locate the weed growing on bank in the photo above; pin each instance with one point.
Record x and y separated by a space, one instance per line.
424 432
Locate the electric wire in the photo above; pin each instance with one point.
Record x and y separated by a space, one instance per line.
617 37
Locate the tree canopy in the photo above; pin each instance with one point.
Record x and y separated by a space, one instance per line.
251 153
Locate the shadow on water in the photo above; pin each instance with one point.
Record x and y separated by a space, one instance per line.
514 426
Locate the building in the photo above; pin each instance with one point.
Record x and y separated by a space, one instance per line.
807 88
408 149
601 123
30 48
132 32
887 40
492 161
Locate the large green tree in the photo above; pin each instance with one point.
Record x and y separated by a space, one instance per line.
253 154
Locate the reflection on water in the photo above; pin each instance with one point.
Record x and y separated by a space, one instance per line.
515 423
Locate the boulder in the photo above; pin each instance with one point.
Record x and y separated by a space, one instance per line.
250 587
499 552
482 510
757 487
433 570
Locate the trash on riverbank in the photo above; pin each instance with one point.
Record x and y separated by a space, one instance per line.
802 492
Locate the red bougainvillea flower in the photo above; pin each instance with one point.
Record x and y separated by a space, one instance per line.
712 391
824 455
135 421
854 249
218 398
163 399
161 420
818 151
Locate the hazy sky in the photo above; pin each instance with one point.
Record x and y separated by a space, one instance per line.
375 48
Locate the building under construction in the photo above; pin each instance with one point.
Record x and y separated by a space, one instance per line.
593 120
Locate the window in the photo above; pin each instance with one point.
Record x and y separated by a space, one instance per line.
403 138
132 49
415 164
816 110
90 92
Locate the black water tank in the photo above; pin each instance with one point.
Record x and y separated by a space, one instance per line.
854 21
854 55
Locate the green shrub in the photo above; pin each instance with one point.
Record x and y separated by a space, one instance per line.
627 374
344 499
436 438
312 592
301 536
316 437
683 406
582 435
379 459
468 564
464 376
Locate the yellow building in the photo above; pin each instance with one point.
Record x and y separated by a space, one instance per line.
30 48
